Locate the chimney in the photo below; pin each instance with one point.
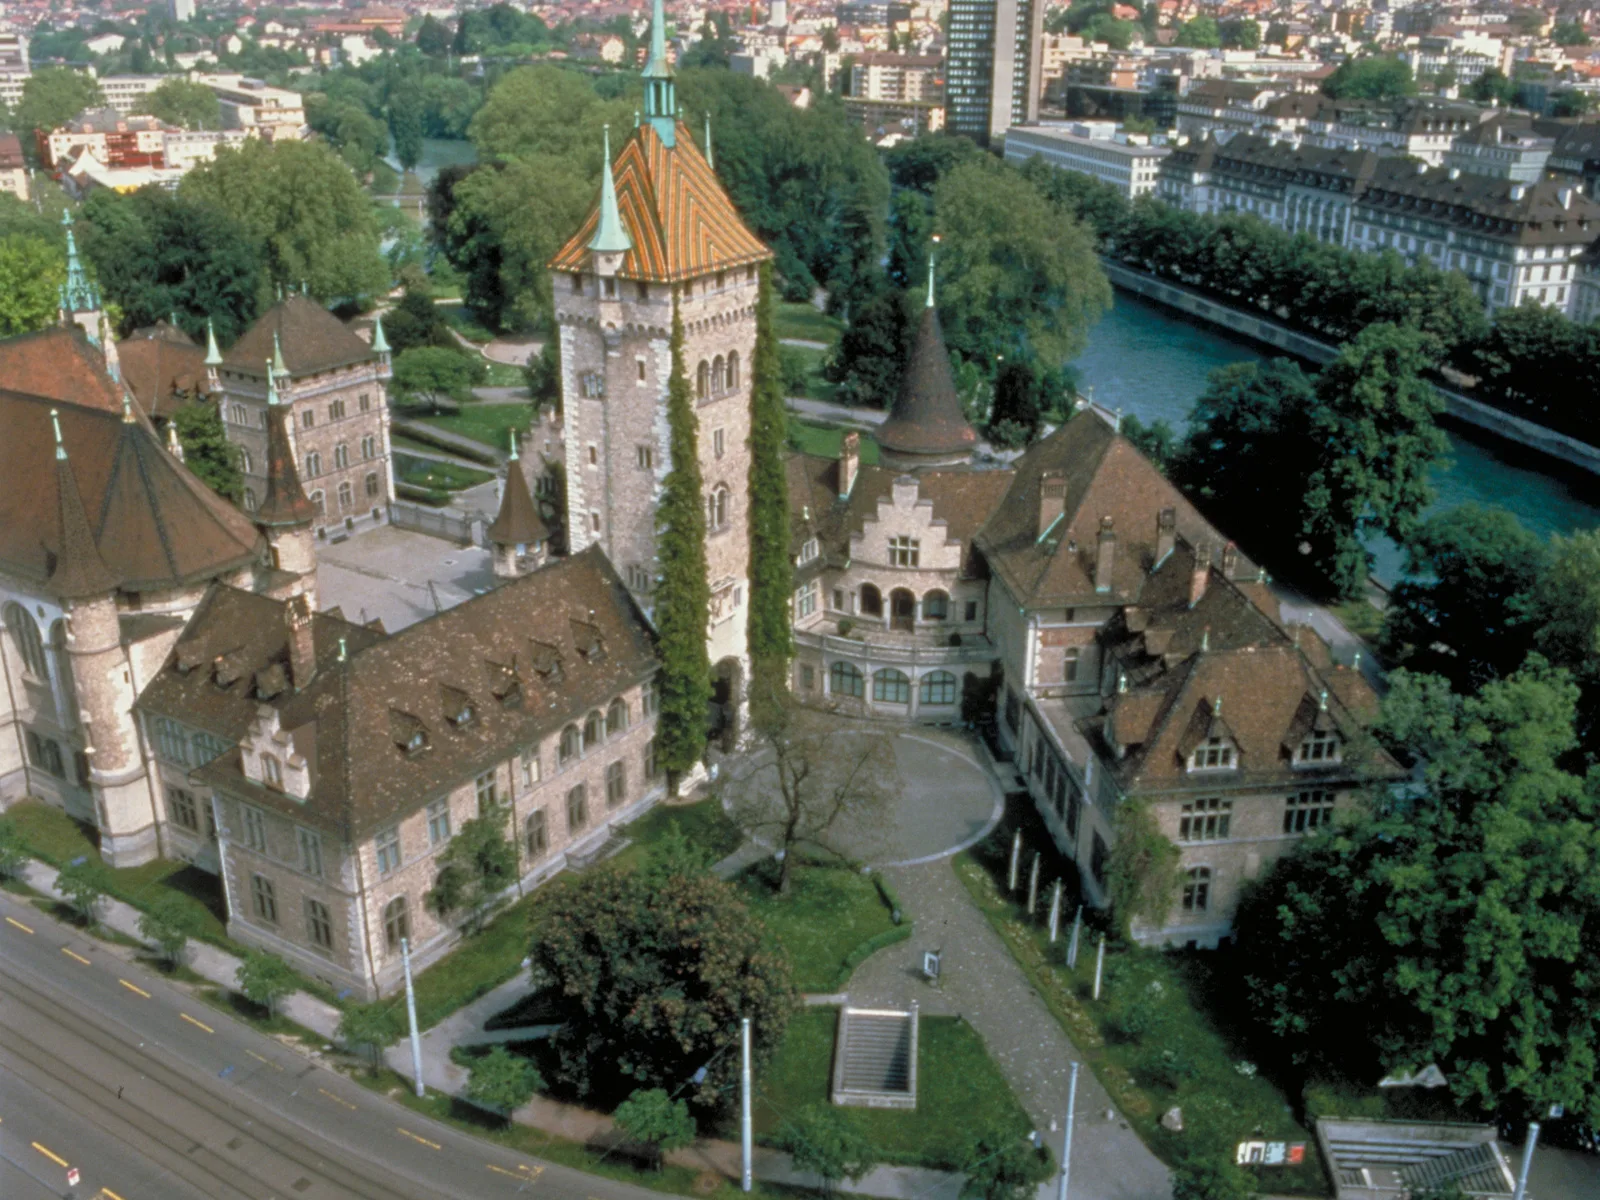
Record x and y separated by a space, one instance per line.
849 462
1105 552
1202 571
1166 533
1052 500
302 652
1230 560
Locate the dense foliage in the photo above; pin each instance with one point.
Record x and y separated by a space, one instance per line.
32 271
771 572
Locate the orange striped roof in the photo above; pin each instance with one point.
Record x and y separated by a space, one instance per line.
681 222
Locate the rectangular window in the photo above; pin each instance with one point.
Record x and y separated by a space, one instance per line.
808 677
310 851
1069 665
255 828
319 924
538 835
1308 810
388 844
650 698
181 809
1099 857
1319 746
172 744
652 769
438 822
264 897
646 458
809 550
805 600
838 600
1213 754
718 444
640 363
487 793
577 808
1205 820
904 552
366 401
308 419
206 748
1197 889
616 784
530 767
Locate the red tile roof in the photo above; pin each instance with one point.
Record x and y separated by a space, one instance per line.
312 338
61 363
164 368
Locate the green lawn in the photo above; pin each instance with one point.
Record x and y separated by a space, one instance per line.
803 321
828 912
505 375
432 473
812 438
486 423
465 322
703 823
960 1092
1360 618
817 387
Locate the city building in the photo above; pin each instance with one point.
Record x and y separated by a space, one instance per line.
114 139
127 92
1127 162
897 77
993 76
13 167
274 113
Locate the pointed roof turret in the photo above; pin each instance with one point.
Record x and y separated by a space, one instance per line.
380 343
79 571
518 522
710 161
926 425
278 367
285 504
78 293
660 93
609 235
213 355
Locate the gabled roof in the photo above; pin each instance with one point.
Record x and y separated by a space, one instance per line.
61 363
312 339
162 366
675 211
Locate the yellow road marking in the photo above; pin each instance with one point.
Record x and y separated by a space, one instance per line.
192 1021
418 1138
337 1099
18 924
50 1154
268 1061
503 1171
533 1172
73 954
107 1192
135 989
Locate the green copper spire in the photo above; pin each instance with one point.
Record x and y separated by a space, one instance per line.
55 421
513 434
277 356
609 236
710 162
660 93
380 344
930 281
272 386
213 355
78 293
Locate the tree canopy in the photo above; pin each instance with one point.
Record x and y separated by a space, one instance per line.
180 102
1376 77
32 271
51 97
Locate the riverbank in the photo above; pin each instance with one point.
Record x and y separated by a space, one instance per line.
1271 334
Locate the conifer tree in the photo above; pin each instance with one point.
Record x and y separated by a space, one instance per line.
771 573
683 596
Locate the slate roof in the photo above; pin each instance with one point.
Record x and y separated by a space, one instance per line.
312 338
680 220
518 522
59 362
156 526
926 416
77 570
526 659
163 366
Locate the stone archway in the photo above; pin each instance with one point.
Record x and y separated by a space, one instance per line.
727 695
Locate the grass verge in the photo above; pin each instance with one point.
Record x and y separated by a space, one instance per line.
828 913
1361 619
804 322
812 438
486 423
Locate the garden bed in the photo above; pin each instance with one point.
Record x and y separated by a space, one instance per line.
432 474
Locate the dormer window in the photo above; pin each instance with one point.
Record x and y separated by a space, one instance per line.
409 734
1320 747
457 707
1213 754
809 549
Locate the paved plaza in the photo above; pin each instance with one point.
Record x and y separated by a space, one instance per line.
399 576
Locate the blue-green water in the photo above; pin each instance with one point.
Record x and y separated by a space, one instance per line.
1147 360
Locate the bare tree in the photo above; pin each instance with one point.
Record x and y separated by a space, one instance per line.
814 782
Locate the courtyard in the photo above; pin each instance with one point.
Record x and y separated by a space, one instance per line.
398 576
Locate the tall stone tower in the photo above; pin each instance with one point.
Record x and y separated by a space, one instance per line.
662 232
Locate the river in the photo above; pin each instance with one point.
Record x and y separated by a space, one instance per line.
1153 363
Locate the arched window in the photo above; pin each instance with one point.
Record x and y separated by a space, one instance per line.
891 686
571 745
717 509
593 729
937 687
244 461
616 717
702 380
69 699
341 455
871 601
249 500
347 496
733 370
902 609
845 680
396 923
719 376
317 502
1197 889
271 771
935 606
313 465
29 645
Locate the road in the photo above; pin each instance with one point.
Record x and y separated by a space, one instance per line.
152 1095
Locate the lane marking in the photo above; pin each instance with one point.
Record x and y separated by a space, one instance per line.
260 1059
503 1171
73 954
192 1021
18 924
523 1172
414 1137
134 988
337 1099
50 1154
107 1192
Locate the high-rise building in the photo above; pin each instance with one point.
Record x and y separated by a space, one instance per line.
993 79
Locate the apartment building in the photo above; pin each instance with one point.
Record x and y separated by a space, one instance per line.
993 74
1128 162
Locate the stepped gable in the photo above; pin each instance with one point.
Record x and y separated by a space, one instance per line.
156 525
413 714
1103 475
926 418
518 522
163 367
681 221
311 337
61 363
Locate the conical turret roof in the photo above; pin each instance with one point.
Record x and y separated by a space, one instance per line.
519 522
285 503
78 570
926 419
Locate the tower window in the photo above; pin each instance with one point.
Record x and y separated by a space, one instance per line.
646 458
608 288
308 418
594 457
640 362
577 283
644 295
718 443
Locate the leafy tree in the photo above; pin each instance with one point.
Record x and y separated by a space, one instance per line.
436 376
910 236
156 253
479 863
304 208
433 37
1000 1165
169 922
1143 874
1243 33
828 1142
85 883
207 451
549 115
1446 78
1374 78
373 1027
406 127
1374 442
360 137
1200 32
1569 33
654 972
502 1082
771 570
31 274
189 105
1492 87
808 778
919 164
417 321
13 850
42 223
1465 608
1103 27
264 979
994 221
655 1119
1018 398
1156 441
51 97
871 355
683 597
